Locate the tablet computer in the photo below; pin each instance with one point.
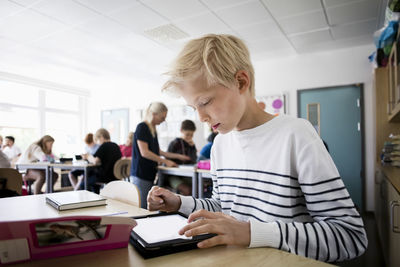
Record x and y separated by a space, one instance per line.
157 234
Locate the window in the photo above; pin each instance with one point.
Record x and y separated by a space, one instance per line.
28 112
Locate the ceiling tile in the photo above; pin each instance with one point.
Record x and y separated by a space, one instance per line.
27 3
106 6
244 14
28 25
203 24
8 8
139 18
104 28
264 30
217 4
303 23
337 44
176 9
354 29
331 3
66 11
310 38
268 45
286 8
352 12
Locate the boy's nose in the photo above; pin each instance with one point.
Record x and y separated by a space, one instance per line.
203 116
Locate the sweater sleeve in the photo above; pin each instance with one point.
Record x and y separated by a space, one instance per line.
191 204
336 232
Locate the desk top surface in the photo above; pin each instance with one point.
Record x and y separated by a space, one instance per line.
35 207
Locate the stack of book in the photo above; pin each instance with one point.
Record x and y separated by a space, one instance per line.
391 151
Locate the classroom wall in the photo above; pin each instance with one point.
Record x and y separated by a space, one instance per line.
323 69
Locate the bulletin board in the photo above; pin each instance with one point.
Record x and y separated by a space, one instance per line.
274 104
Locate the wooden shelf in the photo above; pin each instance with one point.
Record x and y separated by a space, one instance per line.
393 175
395 114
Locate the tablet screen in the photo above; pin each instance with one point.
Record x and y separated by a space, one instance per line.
160 228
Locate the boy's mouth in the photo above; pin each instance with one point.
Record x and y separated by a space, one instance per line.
215 126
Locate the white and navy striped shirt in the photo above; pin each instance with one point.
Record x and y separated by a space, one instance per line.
280 177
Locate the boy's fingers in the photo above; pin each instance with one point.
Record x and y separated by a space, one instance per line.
202 214
211 242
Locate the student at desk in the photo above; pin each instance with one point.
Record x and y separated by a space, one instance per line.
39 151
183 145
76 176
274 183
106 155
146 154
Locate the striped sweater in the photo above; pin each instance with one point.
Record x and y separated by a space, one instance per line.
280 177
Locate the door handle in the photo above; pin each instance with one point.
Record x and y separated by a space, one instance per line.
395 228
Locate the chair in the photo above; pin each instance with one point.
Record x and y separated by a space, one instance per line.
122 168
12 179
122 191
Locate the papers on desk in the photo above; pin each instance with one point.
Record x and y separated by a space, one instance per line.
56 237
74 200
186 166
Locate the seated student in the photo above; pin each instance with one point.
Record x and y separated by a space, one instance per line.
206 150
275 184
11 150
126 149
183 145
76 176
39 151
106 156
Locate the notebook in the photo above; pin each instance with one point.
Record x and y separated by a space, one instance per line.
157 234
74 200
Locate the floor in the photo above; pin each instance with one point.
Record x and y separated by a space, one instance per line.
373 256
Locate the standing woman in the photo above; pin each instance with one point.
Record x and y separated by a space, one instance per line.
146 153
39 151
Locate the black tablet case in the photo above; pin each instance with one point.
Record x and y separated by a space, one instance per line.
165 247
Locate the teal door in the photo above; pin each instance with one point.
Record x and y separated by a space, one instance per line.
340 127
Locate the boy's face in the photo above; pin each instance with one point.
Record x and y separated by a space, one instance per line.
187 135
221 107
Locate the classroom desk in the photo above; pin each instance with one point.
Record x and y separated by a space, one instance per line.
34 207
49 167
73 166
201 174
179 171
39 166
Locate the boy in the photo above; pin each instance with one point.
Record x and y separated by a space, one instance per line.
185 145
273 179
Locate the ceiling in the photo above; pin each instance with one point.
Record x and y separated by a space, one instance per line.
127 38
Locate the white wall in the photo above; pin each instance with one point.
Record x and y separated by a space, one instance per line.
323 69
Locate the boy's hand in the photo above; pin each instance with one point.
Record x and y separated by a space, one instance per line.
162 199
229 230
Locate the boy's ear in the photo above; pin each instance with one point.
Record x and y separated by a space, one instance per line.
243 81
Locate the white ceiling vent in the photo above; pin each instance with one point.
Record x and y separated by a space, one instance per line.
166 33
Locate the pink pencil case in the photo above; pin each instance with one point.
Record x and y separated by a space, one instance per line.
203 164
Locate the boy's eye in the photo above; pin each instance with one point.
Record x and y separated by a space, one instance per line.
206 102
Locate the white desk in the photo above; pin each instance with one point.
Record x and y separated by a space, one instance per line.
184 172
49 167
34 207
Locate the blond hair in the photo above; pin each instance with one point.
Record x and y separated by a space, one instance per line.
216 56
154 108
103 133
